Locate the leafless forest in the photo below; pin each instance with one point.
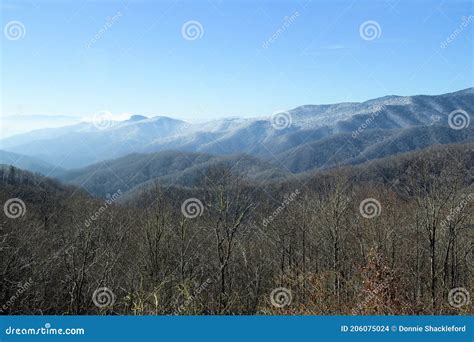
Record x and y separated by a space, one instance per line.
390 237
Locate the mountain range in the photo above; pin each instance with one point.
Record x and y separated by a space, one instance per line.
304 139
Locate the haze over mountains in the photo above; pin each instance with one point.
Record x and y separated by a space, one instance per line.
313 137
18 124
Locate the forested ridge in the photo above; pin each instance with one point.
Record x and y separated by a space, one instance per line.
390 236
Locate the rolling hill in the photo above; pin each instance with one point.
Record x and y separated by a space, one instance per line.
167 168
29 163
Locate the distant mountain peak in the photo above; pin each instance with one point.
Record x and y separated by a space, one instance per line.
137 118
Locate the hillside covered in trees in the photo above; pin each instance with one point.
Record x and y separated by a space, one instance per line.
389 236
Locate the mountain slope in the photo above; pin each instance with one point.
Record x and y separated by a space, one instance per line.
343 149
166 168
85 143
393 170
311 126
29 163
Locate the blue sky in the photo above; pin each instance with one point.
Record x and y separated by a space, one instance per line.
69 62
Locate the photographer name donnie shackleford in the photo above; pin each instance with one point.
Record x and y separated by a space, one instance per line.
432 328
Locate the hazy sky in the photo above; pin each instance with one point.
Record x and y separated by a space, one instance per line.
251 58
